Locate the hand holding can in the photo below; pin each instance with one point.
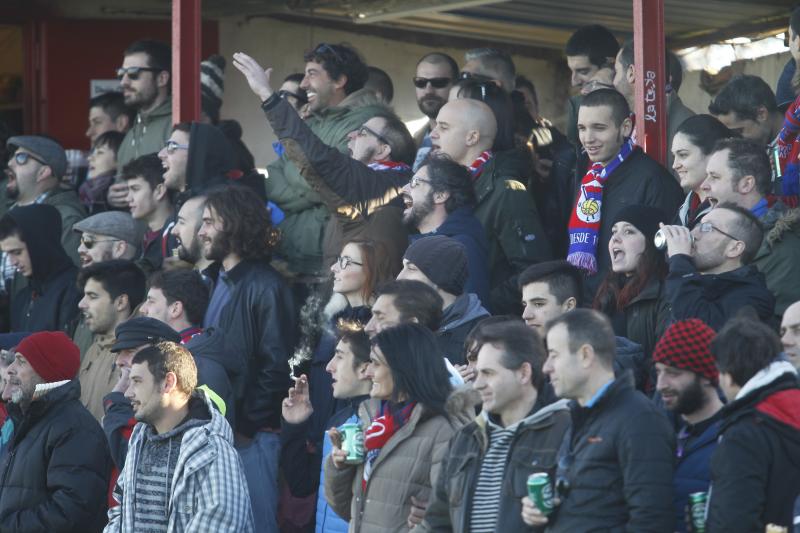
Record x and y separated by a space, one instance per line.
674 239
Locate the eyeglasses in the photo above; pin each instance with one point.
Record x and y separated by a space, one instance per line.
416 180
363 131
708 227
325 47
344 260
22 158
89 242
283 93
134 72
436 83
171 146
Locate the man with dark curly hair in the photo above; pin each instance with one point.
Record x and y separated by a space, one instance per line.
252 304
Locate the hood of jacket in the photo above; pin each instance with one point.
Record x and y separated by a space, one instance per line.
39 407
773 392
211 343
164 110
465 308
536 415
40 228
210 158
779 221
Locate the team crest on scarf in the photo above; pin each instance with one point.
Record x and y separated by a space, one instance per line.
584 222
589 202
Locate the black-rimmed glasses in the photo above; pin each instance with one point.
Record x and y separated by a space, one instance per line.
708 227
344 260
363 131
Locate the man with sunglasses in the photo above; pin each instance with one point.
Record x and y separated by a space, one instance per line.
710 272
614 467
108 235
436 72
34 177
334 80
360 188
145 79
490 64
739 172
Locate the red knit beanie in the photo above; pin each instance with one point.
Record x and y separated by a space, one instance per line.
52 355
685 345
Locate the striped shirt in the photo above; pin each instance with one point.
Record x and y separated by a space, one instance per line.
486 501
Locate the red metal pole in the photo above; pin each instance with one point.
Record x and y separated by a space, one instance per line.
186 30
651 80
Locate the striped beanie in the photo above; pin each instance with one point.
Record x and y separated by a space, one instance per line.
212 85
685 345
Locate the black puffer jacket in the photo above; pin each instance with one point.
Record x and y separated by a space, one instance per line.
55 474
259 322
619 463
714 298
755 469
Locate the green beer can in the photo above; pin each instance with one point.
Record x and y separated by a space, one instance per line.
697 511
540 491
352 442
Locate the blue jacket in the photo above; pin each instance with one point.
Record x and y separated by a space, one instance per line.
463 226
693 470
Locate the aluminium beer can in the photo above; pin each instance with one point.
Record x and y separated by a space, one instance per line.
540 491
353 442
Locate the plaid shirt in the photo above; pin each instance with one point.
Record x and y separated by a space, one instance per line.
209 490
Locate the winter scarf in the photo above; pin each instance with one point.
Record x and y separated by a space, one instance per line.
397 166
388 422
584 222
789 149
476 168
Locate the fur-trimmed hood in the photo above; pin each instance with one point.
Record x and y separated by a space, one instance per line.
779 221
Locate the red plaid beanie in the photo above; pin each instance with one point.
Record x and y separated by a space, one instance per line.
52 355
685 345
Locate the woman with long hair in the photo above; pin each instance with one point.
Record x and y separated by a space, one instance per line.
691 148
407 424
632 292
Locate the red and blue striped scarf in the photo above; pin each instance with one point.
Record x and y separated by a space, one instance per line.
584 223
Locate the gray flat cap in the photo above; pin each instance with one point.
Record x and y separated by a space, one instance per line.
45 149
117 224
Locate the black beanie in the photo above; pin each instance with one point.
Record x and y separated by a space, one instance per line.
443 260
645 218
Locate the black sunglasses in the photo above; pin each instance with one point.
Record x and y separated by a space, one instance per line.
283 93
134 72
22 157
325 47
436 83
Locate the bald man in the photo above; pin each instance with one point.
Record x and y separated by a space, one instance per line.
465 131
790 334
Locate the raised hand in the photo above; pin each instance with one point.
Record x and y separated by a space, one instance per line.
296 409
257 78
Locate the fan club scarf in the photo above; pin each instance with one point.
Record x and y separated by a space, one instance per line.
476 168
389 165
788 147
380 431
584 222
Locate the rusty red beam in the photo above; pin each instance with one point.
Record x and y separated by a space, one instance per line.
651 81
186 34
